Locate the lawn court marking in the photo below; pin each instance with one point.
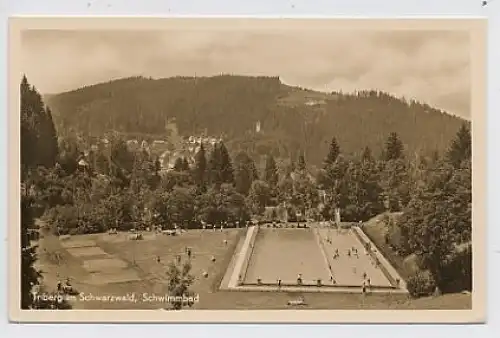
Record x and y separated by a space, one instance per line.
119 276
87 251
77 243
106 264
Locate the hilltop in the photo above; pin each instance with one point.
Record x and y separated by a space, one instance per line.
291 118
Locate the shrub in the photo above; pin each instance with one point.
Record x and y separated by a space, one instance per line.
64 218
421 284
412 264
456 274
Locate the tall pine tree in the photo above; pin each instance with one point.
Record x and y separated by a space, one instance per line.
333 153
396 183
301 164
38 135
214 165
245 173
271 172
367 156
200 168
461 147
226 167
28 136
395 176
49 142
393 147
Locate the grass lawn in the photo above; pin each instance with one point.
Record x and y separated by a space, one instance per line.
140 259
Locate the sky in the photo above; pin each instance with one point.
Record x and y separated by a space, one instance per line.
429 66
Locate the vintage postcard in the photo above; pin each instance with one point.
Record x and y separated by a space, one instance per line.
247 170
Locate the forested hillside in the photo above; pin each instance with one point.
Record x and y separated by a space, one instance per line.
292 119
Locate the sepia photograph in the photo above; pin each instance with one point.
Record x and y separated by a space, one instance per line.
183 169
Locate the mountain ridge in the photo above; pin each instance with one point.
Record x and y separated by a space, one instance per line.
292 119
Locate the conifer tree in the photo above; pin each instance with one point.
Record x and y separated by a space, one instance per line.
258 196
214 166
28 137
333 153
157 166
48 141
393 147
69 154
29 275
185 164
395 176
301 164
245 173
271 172
200 167
38 135
396 184
226 167
367 155
179 164
293 165
29 153
369 190
461 147
339 182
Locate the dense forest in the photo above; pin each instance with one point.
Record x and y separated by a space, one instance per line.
293 119
39 149
77 191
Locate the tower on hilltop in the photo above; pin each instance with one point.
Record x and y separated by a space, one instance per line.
257 127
